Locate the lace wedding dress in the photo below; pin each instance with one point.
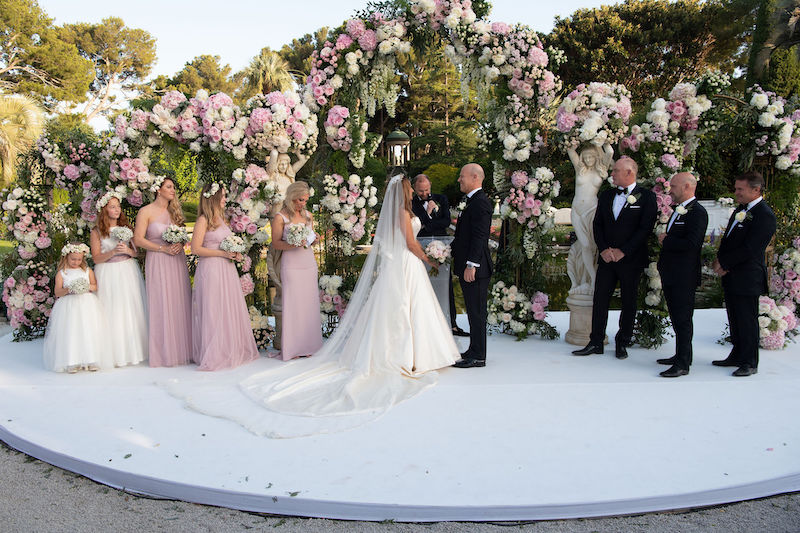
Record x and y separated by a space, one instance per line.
391 338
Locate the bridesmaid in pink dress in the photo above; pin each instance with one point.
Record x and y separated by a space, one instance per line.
169 291
221 332
302 333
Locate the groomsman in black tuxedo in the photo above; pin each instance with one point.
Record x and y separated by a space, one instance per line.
472 262
740 262
679 265
624 218
433 211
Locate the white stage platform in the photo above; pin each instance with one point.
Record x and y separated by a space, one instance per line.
537 434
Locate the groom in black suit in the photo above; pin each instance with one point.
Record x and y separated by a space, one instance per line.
679 265
433 211
740 262
472 261
624 218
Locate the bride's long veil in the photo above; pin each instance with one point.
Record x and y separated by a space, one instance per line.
353 378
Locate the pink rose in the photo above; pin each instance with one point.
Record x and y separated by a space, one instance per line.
251 229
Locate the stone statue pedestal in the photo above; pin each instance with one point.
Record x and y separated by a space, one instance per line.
580 319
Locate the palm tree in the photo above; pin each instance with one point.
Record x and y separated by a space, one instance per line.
21 123
267 72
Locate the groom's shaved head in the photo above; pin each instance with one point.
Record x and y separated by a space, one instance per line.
470 178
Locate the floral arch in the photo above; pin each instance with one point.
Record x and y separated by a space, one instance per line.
354 74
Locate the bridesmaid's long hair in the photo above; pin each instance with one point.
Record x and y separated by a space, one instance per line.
104 221
210 206
293 192
174 206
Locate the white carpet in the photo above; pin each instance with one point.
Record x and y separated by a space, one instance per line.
537 434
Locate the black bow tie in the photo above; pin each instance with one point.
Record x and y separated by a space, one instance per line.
622 190
742 207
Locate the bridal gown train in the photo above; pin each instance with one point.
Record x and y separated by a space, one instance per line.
384 351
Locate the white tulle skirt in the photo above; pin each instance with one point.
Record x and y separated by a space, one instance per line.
120 288
401 338
77 335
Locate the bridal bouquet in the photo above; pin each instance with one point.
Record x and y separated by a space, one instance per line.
299 235
439 253
78 286
233 243
121 233
175 234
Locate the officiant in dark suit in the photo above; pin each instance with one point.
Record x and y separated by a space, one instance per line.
472 261
433 211
625 217
679 266
741 263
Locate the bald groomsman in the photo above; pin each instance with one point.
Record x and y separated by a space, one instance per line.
624 218
679 265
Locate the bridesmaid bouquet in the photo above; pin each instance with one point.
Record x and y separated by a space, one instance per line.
298 235
175 234
78 286
438 252
121 233
233 243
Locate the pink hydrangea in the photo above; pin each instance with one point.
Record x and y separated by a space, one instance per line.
247 284
670 161
368 41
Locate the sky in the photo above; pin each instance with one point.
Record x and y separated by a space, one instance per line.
237 30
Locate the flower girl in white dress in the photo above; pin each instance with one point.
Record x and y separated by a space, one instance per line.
120 286
77 333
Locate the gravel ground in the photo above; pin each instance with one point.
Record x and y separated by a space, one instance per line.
35 496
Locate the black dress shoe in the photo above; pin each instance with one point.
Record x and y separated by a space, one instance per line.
725 362
458 332
469 363
673 372
622 353
667 361
745 371
589 350
626 344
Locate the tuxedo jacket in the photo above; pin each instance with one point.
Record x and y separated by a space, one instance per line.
435 224
629 232
742 252
679 262
471 241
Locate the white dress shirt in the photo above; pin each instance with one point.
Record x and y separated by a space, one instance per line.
621 199
675 214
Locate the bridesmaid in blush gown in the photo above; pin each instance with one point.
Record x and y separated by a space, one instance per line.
221 332
301 333
169 291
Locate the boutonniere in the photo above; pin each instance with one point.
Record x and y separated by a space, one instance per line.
633 198
681 210
461 206
741 216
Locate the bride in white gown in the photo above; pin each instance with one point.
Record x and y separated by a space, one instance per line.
389 341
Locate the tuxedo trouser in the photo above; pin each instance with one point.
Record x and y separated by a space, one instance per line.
475 300
743 323
608 275
680 303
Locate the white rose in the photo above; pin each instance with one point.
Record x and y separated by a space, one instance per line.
372 201
766 119
360 203
759 100
763 322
